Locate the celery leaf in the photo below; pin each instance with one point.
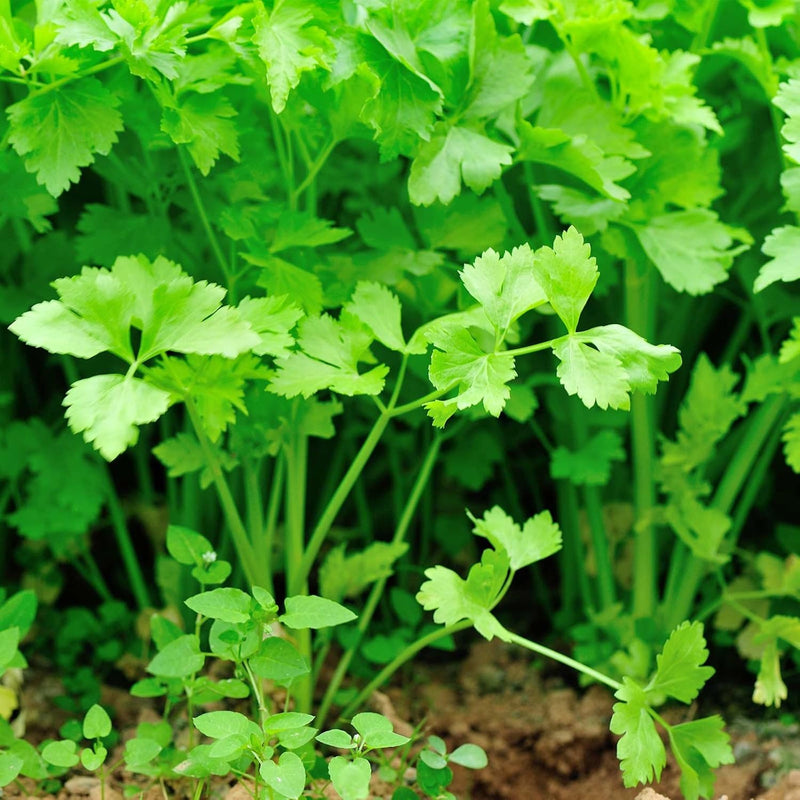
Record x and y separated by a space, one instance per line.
59 131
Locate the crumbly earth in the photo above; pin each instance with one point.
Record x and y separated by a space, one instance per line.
544 741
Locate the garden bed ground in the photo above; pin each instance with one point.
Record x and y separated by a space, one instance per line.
545 741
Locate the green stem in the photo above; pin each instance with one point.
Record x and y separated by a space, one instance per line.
754 485
365 617
201 212
313 169
296 453
119 525
641 319
336 502
575 584
507 204
48 87
278 135
702 36
562 659
90 572
252 495
409 652
759 428
267 544
535 348
540 217
244 548
600 545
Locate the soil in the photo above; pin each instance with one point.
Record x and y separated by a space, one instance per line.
545 741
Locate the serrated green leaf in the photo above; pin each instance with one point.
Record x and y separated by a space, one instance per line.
134 402
791 441
708 410
280 277
782 245
577 156
790 349
480 377
640 751
597 378
623 362
588 214
203 122
331 351
182 454
453 155
347 575
538 538
492 58
452 599
403 111
699 747
568 274
770 689
691 249
296 229
379 309
505 286
289 44
58 132
679 672
590 464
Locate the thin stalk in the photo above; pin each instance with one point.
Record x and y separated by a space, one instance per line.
201 212
144 475
90 572
759 428
507 205
754 484
597 529
540 219
283 161
48 87
593 504
562 659
296 454
702 36
119 525
313 169
243 545
640 318
573 556
267 544
254 509
365 617
408 653
336 502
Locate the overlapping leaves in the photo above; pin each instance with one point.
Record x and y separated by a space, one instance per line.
96 312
